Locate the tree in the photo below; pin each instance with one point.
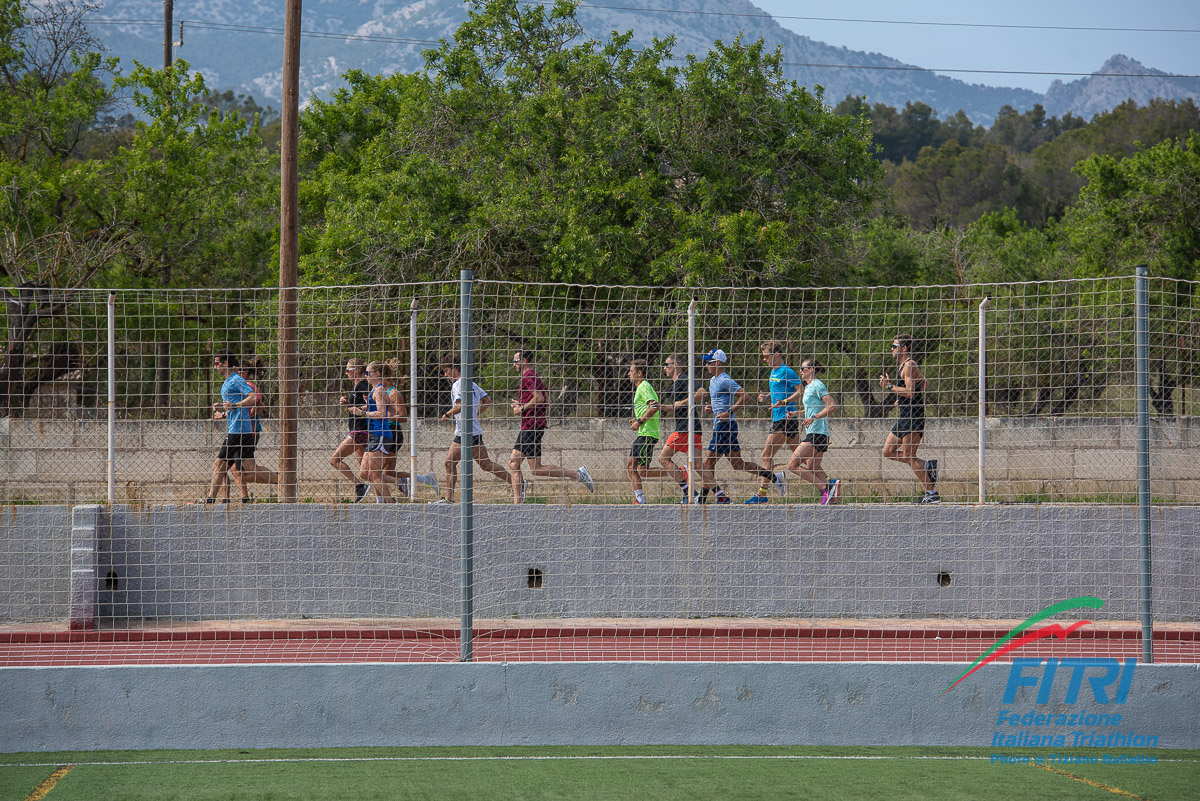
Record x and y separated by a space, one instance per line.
51 89
523 151
953 185
188 194
1143 209
1115 133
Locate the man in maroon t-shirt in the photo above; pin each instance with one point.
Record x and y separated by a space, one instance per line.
530 404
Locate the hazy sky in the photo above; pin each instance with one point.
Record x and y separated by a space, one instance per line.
1007 49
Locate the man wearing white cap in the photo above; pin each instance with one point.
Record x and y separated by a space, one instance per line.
725 397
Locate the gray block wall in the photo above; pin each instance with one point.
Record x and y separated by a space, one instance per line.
35 563
544 561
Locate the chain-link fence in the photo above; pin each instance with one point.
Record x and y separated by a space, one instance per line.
1059 384
984 395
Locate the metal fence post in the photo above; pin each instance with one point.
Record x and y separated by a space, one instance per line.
112 397
1142 357
467 510
982 395
412 403
691 406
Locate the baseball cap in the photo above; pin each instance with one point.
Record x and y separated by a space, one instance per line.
716 355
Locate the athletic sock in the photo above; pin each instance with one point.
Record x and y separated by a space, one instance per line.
767 474
720 493
704 491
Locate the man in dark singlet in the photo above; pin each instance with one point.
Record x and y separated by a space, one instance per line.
905 437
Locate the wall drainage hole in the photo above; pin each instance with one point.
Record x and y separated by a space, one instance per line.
943 579
111 581
533 579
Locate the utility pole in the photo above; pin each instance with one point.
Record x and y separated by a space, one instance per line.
289 223
162 361
168 14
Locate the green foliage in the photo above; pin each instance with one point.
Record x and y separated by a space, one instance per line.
51 89
1141 209
950 173
954 185
187 194
51 81
1052 176
522 151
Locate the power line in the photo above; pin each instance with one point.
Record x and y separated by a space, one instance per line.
234 28
988 72
765 15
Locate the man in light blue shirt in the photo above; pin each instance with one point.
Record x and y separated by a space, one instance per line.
726 396
236 398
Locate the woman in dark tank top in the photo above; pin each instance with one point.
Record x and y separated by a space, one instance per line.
906 435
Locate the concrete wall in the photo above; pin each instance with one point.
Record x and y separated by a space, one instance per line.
856 561
62 461
35 563
282 706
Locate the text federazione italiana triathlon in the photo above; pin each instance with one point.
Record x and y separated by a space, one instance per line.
1094 730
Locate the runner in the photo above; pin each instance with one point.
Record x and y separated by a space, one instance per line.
726 396
906 435
818 406
355 441
236 397
530 405
251 472
784 428
646 423
676 404
479 403
380 457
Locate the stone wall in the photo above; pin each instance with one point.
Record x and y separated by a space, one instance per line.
402 561
1027 458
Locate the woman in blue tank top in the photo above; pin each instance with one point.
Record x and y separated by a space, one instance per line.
380 457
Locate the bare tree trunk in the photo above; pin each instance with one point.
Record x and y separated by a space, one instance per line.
25 310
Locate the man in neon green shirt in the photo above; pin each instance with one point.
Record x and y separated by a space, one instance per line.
645 422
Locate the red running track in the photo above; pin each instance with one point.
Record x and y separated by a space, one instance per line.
699 643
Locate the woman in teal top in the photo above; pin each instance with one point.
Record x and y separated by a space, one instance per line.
818 406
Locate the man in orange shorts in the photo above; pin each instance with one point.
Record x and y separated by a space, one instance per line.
675 402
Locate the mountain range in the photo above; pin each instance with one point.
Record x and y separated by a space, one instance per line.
238 45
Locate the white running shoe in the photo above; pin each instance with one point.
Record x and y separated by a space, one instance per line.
524 488
429 480
586 478
780 481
